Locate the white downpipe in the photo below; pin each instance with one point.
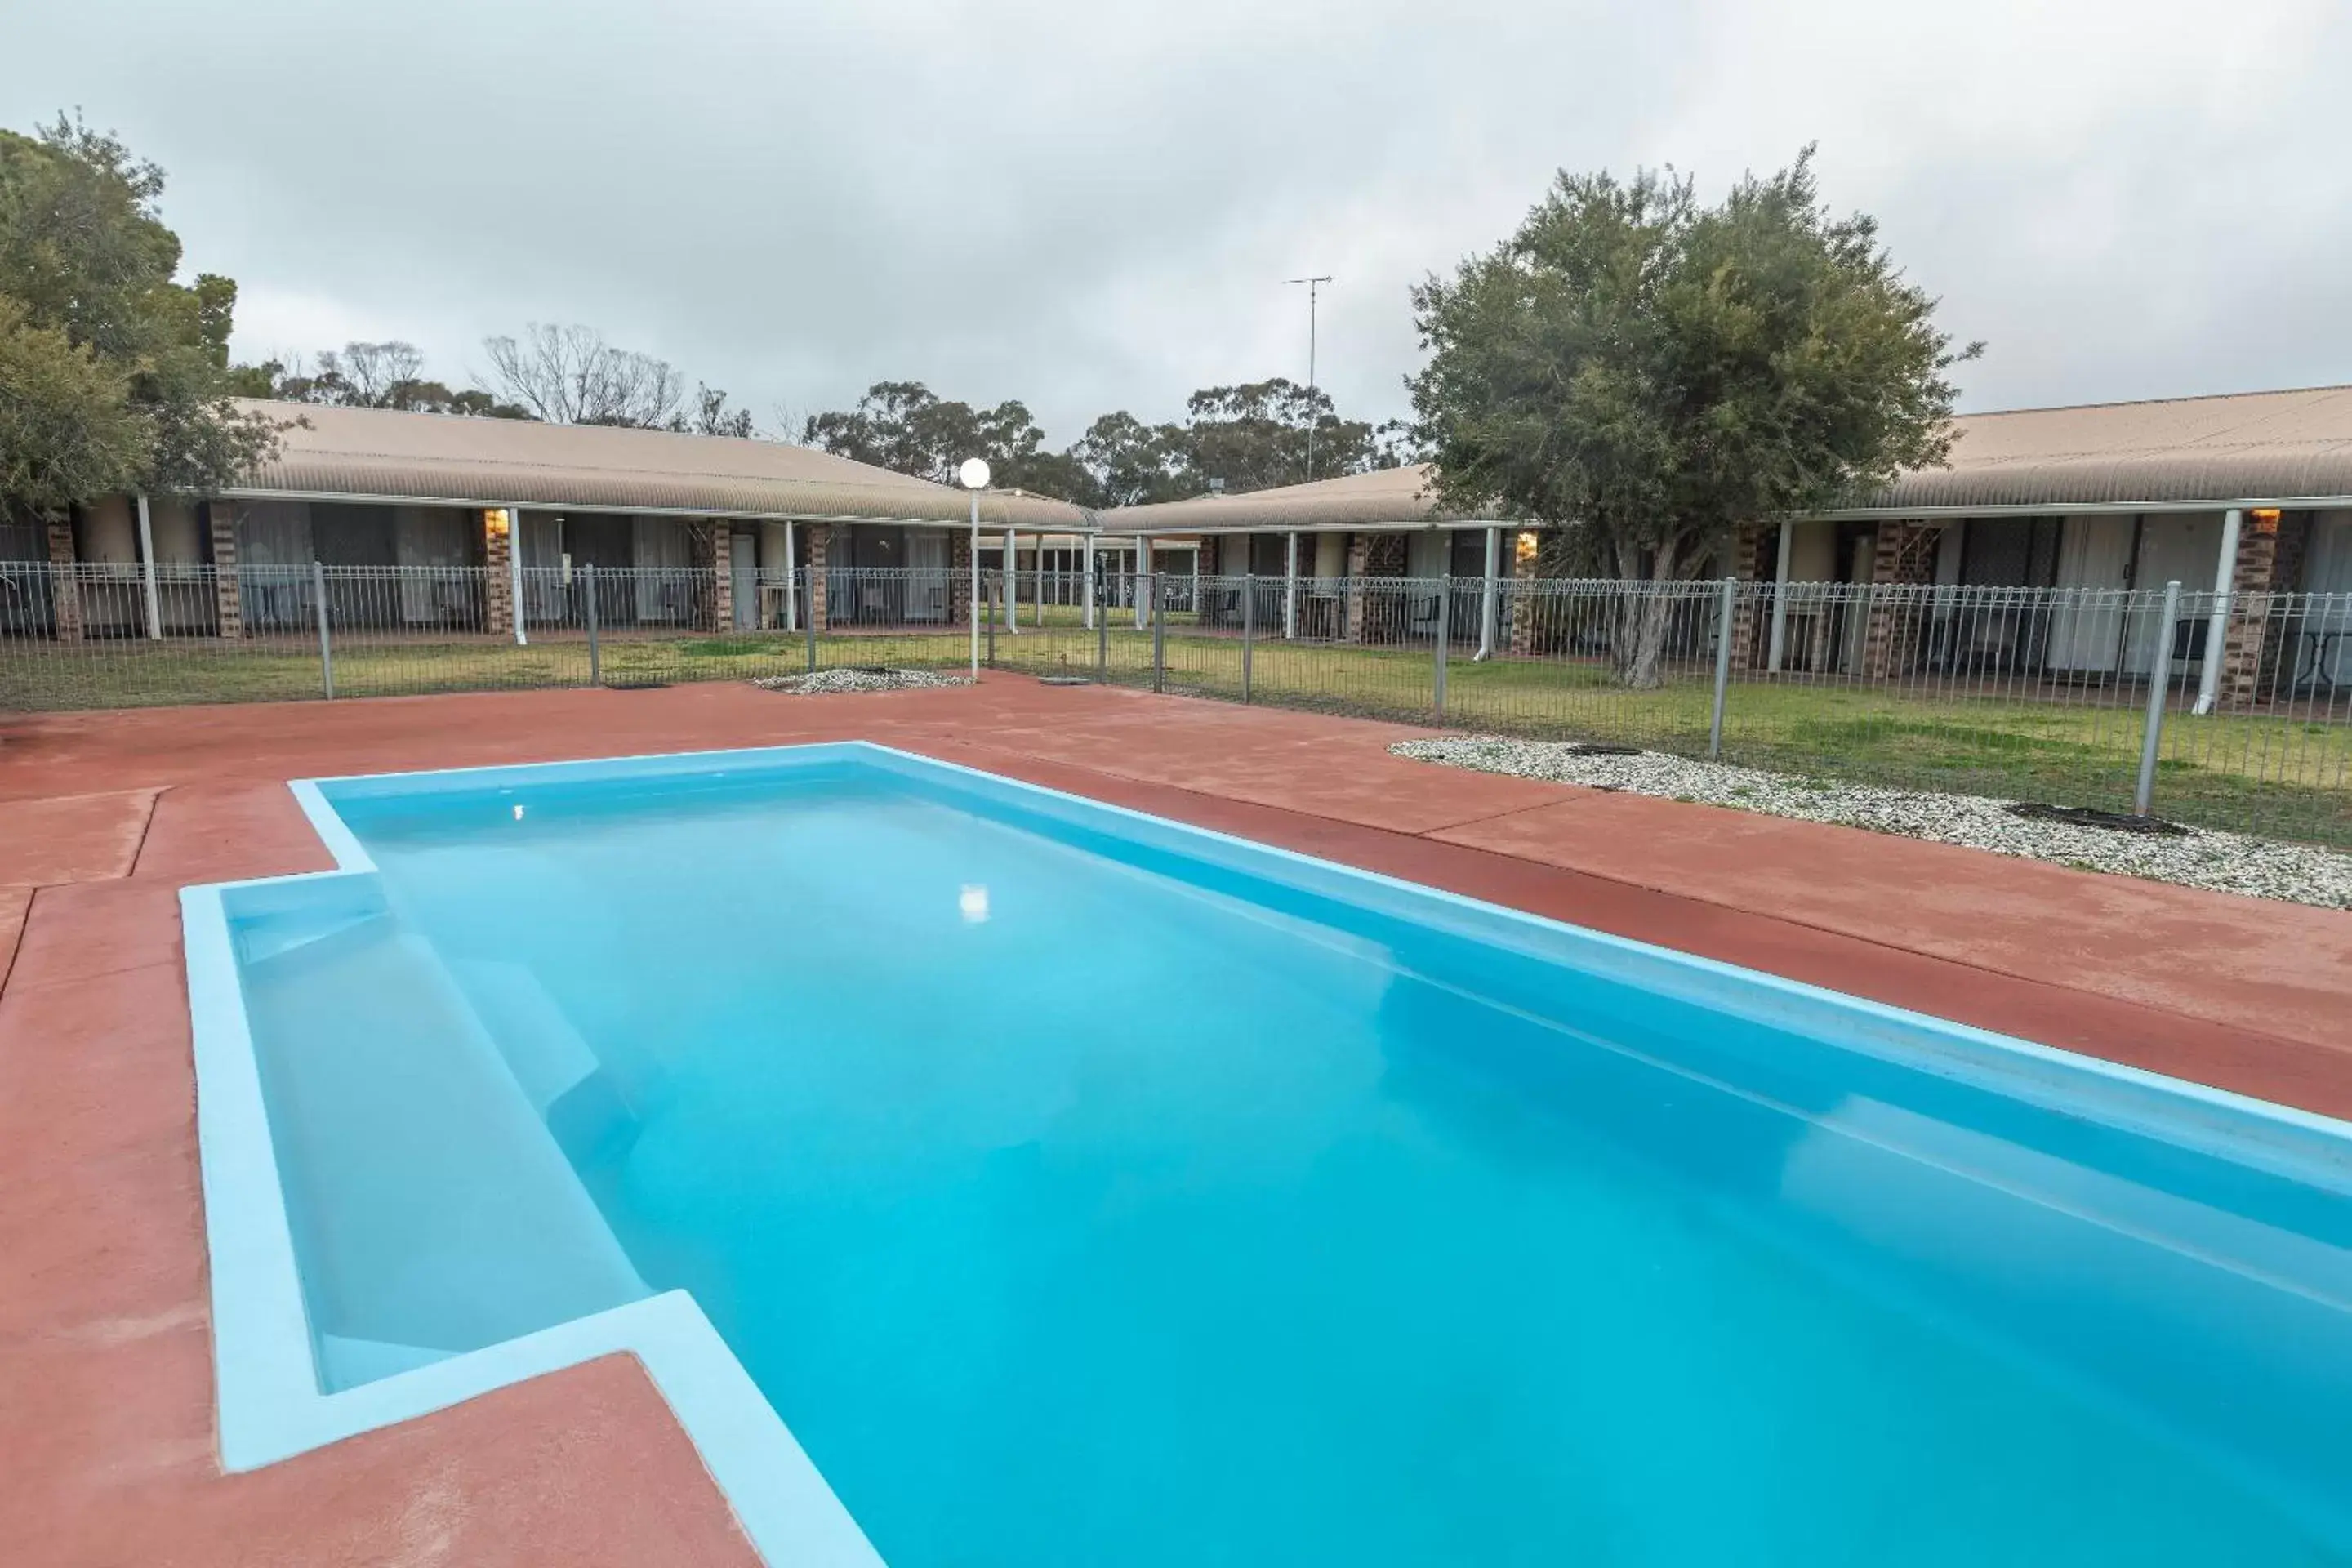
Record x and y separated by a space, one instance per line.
2209 680
1490 594
1012 581
147 571
791 584
1290 588
1779 602
1143 580
514 571
1086 570
1196 579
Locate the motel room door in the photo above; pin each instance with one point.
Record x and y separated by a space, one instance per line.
2176 547
2095 558
926 563
744 568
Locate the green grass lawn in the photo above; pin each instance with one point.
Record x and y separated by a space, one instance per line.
2276 776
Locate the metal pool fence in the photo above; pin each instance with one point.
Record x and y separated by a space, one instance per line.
2230 712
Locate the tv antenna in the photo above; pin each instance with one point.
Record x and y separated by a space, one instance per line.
1313 286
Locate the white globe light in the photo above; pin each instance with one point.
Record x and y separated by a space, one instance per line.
974 473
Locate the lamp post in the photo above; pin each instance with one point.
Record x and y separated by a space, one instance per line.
974 475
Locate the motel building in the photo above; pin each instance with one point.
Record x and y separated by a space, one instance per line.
690 531
2248 494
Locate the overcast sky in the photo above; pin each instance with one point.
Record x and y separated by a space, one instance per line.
1093 205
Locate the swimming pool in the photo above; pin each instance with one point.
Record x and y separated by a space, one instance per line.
989 1176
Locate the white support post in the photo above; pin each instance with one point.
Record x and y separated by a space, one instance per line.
1779 602
1490 593
792 585
2217 629
1086 570
1013 581
514 571
1039 599
1144 581
1290 588
147 570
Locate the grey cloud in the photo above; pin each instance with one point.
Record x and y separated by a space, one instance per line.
1091 206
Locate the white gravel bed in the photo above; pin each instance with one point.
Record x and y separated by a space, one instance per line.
833 682
2225 862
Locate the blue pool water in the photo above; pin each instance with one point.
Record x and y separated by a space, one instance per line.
1079 1192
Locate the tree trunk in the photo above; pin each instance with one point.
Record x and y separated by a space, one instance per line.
1643 613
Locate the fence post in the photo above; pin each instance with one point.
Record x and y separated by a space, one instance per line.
808 622
595 655
1158 637
1249 626
1444 642
326 648
2160 676
1722 666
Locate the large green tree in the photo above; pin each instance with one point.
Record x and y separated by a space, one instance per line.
1126 462
113 376
1645 374
906 426
1256 436
1249 436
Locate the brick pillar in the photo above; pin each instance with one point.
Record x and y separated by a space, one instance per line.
1904 558
1523 615
1755 556
959 577
2282 632
1359 553
1385 556
498 585
65 589
2249 610
229 598
820 544
714 548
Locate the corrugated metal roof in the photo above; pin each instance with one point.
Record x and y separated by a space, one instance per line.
1384 498
2253 446
2245 446
380 453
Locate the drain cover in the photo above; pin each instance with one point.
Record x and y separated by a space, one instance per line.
1064 680
2085 816
1601 748
635 685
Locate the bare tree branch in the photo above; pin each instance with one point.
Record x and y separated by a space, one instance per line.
571 375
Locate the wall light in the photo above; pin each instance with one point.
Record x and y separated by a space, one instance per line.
1524 548
2266 519
494 522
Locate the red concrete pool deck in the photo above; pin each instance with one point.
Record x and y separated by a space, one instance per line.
105 1373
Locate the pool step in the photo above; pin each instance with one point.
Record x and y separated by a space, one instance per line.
557 1069
345 1362
431 1205
340 908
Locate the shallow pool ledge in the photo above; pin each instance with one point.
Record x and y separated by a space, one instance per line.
270 1404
